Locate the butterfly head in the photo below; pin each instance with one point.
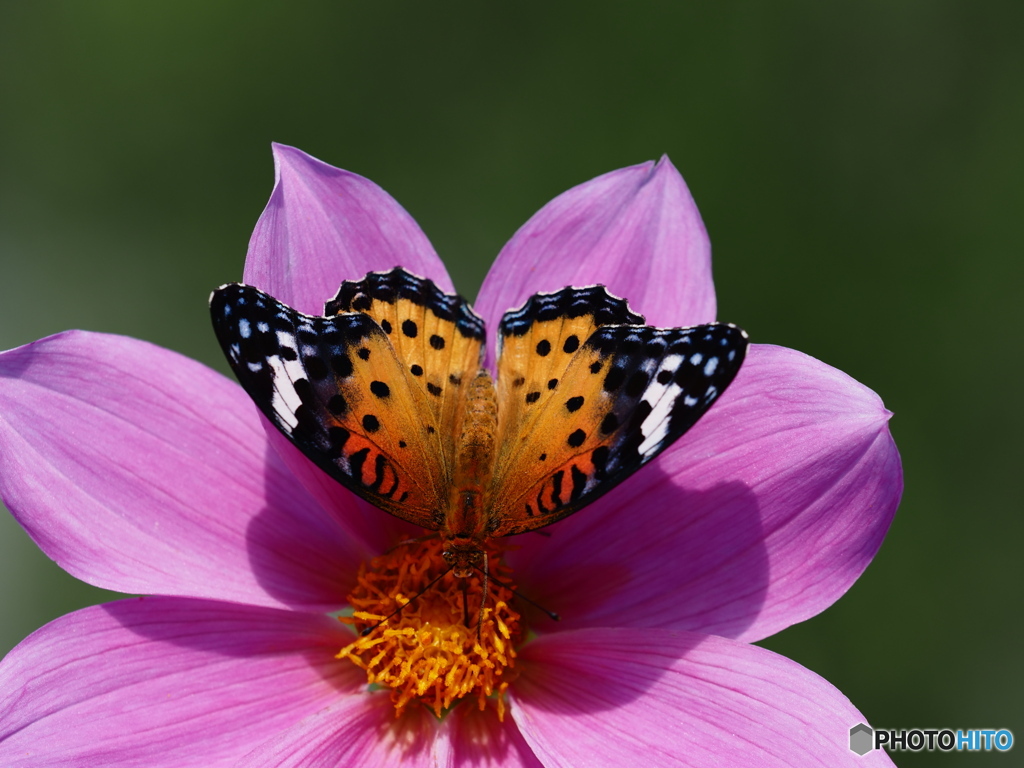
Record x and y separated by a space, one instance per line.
463 553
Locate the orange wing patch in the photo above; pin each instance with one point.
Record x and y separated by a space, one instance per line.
546 468
538 342
436 336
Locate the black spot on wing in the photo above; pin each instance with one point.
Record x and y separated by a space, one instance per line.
316 368
341 364
577 438
609 423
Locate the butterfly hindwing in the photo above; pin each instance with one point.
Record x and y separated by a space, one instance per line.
621 398
436 336
335 388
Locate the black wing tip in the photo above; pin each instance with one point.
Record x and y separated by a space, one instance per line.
219 292
229 293
732 326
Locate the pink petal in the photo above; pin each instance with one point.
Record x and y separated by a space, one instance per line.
761 516
139 470
480 739
362 520
323 225
165 682
359 731
362 730
635 230
604 697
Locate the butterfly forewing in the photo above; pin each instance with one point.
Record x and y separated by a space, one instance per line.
537 343
436 337
625 395
335 388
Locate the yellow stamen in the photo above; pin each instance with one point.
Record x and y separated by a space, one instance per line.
433 650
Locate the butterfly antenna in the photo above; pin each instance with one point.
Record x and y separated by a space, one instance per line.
411 600
550 614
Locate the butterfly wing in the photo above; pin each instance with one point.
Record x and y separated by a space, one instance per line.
436 336
537 343
588 415
335 387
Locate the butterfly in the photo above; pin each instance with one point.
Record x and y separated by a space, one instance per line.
387 395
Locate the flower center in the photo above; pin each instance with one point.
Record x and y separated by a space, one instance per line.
450 642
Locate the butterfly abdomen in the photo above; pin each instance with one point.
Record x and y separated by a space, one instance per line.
474 459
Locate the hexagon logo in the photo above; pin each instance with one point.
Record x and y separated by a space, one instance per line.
860 739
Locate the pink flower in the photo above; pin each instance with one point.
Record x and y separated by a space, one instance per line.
141 471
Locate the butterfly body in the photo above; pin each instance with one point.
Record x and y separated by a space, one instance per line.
464 525
386 393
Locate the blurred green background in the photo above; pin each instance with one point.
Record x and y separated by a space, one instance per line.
859 166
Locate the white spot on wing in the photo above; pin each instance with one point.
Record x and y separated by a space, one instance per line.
243 328
710 365
285 400
671 363
655 426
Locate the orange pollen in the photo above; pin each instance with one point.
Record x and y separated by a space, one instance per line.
440 647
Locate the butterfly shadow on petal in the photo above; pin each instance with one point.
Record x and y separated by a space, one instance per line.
656 556
298 545
652 553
